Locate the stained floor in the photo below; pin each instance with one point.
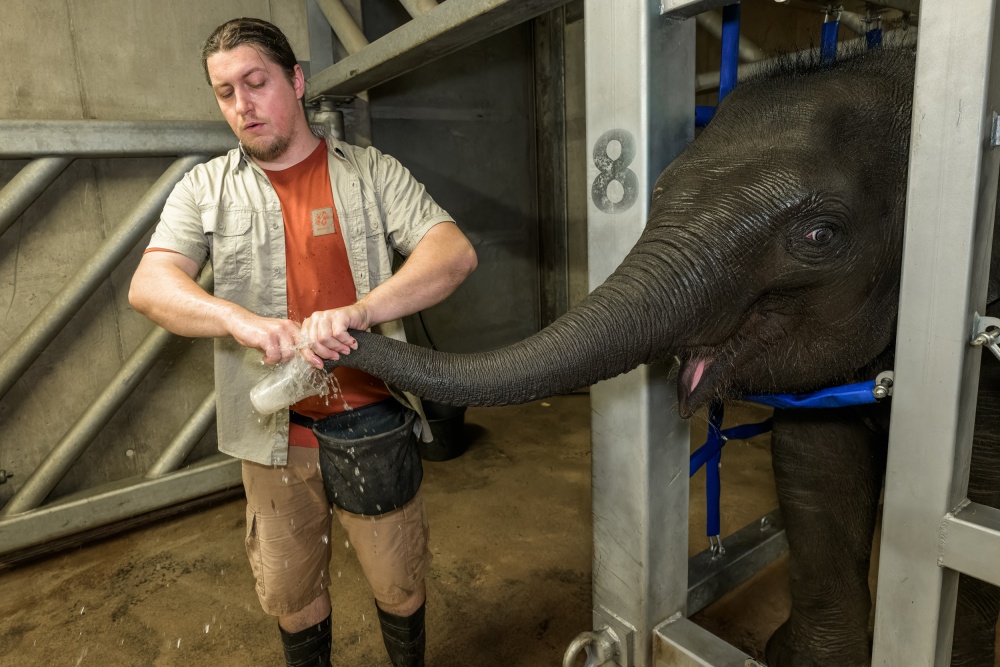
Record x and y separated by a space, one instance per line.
510 584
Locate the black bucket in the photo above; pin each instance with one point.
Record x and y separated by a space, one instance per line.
448 428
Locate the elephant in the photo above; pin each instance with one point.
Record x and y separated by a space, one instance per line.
770 263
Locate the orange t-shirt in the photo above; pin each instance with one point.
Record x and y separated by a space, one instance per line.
318 277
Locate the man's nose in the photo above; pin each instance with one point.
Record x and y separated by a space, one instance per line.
243 102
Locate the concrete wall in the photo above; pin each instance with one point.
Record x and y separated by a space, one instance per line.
106 59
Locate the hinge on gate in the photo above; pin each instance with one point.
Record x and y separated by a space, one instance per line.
986 333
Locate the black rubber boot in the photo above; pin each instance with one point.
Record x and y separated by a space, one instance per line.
404 637
309 647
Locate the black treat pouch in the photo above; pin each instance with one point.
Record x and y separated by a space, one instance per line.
369 457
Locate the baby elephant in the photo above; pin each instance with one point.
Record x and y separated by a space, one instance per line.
770 263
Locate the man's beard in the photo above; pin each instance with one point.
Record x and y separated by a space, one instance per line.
268 149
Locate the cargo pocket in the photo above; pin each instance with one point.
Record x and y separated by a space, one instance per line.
254 555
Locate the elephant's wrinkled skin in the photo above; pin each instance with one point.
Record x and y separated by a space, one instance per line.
770 263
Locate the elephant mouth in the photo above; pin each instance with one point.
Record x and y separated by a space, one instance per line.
696 382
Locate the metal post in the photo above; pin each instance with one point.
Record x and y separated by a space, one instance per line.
24 188
550 139
640 103
185 440
50 321
61 458
949 216
343 25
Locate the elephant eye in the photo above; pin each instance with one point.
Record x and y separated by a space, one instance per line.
820 235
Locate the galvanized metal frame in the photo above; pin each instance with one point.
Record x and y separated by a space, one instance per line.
930 533
640 101
52 145
445 29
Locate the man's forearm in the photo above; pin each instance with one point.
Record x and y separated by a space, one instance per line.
438 265
171 298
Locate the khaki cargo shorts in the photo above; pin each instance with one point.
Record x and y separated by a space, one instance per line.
288 537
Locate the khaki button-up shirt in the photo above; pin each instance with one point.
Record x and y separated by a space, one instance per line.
226 211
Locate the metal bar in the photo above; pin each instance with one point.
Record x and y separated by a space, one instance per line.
681 643
190 434
450 27
854 22
639 102
550 139
747 551
712 23
970 542
348 32
74 443
947 243
684 9
710 80
113 138
24 188
54 316
116 501
417 8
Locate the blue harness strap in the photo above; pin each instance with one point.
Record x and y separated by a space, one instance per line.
860 393
710 454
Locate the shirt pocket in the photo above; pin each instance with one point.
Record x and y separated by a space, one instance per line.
232 244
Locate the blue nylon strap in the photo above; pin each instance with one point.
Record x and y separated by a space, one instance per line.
730 49
715 444
828 42
703 115
873 38
710 454
728 69
859 393
713 478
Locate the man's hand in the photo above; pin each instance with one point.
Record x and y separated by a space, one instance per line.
326 331
279 340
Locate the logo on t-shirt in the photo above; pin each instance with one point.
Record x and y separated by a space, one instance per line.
323 222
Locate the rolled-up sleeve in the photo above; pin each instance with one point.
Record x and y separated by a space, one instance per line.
408 211
180 227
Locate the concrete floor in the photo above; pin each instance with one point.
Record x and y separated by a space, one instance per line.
510 584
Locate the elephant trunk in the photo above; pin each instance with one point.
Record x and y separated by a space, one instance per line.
614 329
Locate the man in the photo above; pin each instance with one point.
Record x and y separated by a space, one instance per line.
298 231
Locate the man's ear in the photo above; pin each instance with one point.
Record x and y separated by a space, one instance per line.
298 82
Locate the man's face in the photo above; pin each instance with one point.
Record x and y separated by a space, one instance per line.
259 102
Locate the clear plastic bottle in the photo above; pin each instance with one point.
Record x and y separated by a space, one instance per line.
288 383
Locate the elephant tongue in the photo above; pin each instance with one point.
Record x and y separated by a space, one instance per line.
693 372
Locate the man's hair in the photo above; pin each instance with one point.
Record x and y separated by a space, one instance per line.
253 32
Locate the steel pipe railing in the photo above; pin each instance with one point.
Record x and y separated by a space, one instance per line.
74 443
50 321
113 138
24 188
708 81
417 8
343 24
190 434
